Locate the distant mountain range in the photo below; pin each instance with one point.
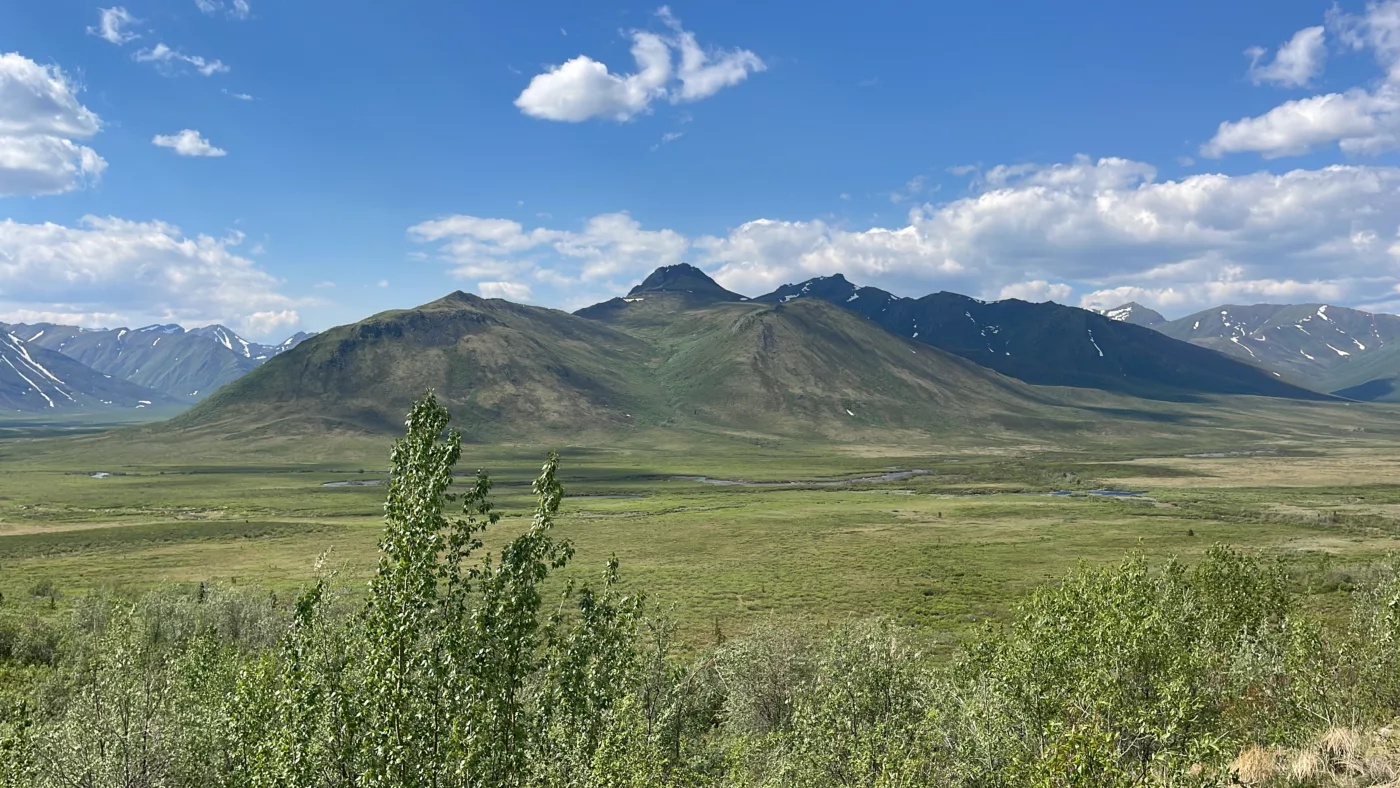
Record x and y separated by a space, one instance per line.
1049 344
162 364
822 358
34 379
1351 353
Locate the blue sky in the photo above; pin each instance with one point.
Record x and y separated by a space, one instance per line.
368 156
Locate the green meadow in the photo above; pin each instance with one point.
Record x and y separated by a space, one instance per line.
811 533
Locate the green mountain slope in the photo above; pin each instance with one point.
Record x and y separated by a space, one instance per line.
1325 347
810 367
506 370
511 372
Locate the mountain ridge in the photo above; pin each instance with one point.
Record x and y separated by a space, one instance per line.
1049 343
185 364
1331 348
34 379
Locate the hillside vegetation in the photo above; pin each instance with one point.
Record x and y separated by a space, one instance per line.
456 669
664 359
821 360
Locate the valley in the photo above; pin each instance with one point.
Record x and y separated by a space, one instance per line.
755 478
795 454
944 550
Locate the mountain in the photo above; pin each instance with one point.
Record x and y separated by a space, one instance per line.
34 379
1135 313
664 358
809 368
1325 347
186 365
1050 344
503 368
683 278
684 285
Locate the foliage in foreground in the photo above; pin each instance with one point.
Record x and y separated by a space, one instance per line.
452 671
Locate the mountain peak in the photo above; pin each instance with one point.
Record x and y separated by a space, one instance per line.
1135 313
683 278
834 288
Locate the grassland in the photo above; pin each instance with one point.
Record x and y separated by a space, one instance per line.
945 550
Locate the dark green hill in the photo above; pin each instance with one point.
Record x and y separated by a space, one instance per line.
812 368
683 286
683 278
514 372
1050 344
506 370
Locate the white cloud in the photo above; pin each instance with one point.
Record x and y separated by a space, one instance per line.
704 73
513 291
40 117
238 9
263 324
239 96
188 142
1364 121
1038 290
136 273
112 25
1360 121
82 319
167 61
1096 232
912 190
1295 64
610 250
668 138
583 88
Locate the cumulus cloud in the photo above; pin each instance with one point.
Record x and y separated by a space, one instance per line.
169 61
1361 121
513 291
583 88
1038 291
40 117
1295 64
115 271
112 24
579 265
1095 232
704 73
188 142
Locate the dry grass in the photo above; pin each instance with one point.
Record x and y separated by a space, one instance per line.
1341 467
1341 757
1257 765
